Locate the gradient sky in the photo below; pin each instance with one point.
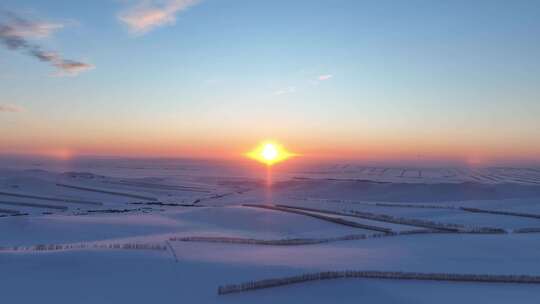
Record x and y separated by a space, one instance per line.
345 79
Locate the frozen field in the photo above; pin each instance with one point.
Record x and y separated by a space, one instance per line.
140 231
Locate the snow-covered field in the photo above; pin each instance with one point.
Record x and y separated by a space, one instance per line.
140 231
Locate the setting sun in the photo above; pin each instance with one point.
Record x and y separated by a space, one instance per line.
269 153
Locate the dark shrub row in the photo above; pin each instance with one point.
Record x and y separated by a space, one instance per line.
486 278
106 211
381 218
56 247
247 241
484 230
398 205
415 206
160 186
527 230
511 213
299 241
9 211
428 224
387 218
55 199
34 205
321 217
13 214
107 192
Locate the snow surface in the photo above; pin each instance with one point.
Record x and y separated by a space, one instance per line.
159 202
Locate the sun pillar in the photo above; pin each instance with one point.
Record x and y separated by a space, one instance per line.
269 153
268 185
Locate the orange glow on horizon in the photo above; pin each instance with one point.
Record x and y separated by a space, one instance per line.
269 153
363 148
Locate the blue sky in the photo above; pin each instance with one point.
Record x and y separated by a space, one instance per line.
455 79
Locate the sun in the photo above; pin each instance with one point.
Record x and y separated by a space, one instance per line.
269 153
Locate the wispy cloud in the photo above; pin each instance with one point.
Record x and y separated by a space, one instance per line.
147 15
20 27
16 32
10 108
287 90
325 77
311 81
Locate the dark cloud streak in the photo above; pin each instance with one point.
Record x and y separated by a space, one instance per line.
14 31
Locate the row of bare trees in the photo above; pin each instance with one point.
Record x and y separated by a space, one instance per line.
407 221
349 237
429 206
385 218
377 204
450 227
510 213
58 247
336 220
527 230
394 275
296 241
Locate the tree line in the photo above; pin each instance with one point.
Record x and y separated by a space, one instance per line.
394 275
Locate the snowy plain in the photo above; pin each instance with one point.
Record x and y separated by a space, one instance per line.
138 231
